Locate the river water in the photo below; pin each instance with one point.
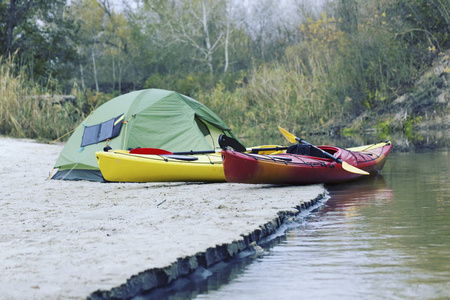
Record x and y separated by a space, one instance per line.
386 237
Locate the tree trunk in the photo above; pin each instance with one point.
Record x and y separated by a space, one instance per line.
10 27
16 15
113 72
119 66
207 40
225 69
82 77
95 71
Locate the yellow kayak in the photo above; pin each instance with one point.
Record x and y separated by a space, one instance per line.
123 166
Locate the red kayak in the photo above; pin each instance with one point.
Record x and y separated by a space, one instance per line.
304 166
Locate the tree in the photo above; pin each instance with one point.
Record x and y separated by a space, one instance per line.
116 40
200 26
103 50
174 36
88 15
422 23
152 47
41 32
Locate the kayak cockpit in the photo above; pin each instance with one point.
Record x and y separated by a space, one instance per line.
309 150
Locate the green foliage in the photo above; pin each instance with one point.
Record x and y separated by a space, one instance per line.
383 129
189 84
322 32
386 127
409 126
346 132
42 36
421 23
230 106
194 83
90 100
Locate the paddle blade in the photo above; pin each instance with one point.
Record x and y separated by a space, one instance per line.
149 151
349 168
226 141
289 136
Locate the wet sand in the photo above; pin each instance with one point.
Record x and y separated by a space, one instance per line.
68 239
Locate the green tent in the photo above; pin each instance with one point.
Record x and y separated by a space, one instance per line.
150 118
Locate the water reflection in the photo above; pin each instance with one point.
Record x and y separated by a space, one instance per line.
367 191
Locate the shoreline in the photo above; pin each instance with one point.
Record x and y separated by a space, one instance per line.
78 239
152 279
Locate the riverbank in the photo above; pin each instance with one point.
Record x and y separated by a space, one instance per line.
62 239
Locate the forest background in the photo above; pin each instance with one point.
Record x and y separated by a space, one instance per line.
338 66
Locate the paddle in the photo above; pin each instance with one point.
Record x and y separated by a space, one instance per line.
160 152
226 141
154 151
349 168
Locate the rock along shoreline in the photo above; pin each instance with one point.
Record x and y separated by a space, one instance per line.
78 240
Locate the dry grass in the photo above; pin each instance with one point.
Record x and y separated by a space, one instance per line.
23 110
291 93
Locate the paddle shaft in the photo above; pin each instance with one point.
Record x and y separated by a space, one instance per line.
195 152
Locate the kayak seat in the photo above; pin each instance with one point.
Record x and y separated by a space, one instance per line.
308 150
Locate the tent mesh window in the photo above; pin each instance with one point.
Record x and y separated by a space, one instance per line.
101 132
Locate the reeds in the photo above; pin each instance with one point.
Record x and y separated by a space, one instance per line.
292 93
26 112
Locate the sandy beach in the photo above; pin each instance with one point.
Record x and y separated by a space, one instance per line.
68 239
